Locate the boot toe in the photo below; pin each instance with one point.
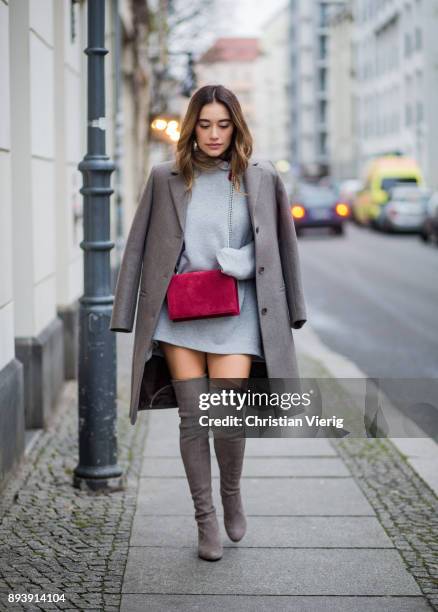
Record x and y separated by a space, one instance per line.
209 540
237 529
234 517
210 553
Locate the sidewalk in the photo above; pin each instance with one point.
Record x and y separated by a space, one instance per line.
314 540
333 525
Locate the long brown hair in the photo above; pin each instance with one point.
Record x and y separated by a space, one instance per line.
188 157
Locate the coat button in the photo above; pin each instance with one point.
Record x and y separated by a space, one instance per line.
257 230
261 270
264 310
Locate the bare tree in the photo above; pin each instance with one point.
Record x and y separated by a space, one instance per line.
183 25
138 74
155 53
188 23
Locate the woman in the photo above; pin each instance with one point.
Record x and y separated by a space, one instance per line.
188 209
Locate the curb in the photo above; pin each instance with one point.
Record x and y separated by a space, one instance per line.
420 452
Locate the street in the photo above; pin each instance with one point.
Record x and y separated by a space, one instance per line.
372 298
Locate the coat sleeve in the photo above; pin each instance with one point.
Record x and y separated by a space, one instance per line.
125 298
290 260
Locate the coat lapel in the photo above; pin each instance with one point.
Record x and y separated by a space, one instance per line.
252 177
180 197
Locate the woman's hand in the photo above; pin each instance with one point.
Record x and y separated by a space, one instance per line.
239 263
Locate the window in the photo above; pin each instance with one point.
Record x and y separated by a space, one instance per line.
418 39
408 44
323 15
408 114
323 111
419 84
323 143
389 183
322 47
322 79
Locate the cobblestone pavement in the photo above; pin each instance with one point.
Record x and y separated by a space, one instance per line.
405 506
57 539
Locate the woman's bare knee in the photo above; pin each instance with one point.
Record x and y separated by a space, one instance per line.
183 363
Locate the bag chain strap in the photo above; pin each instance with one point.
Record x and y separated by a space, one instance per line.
230 224
230 213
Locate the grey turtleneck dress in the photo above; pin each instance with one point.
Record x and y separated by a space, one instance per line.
205 248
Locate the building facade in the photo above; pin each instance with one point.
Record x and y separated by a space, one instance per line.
342 116
396 58
273 133
42 138
233 62
43 72
309 95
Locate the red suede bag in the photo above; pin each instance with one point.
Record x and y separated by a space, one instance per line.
205 293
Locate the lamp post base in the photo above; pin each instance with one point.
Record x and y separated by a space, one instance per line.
94 480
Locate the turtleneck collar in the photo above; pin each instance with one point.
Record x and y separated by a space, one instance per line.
219 163
224 164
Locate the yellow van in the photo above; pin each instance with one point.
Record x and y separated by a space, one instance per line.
382 175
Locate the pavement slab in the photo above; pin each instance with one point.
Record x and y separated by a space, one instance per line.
298 467
280 603
267 496
283 532
167 446
269 571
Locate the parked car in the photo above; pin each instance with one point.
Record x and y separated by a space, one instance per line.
429 228
382 175
405 209
315 206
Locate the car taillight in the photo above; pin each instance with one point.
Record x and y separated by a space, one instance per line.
342 209
297 211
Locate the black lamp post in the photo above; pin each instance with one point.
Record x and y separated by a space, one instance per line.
97 468
190 82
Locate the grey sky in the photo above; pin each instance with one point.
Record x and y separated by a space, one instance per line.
250 15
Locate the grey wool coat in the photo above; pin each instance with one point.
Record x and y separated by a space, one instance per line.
154 243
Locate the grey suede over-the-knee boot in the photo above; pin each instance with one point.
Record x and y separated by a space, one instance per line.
195 453
229 446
